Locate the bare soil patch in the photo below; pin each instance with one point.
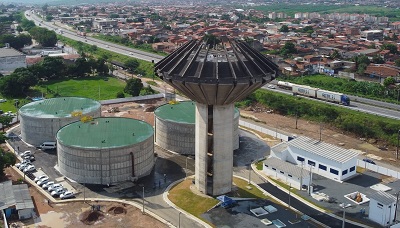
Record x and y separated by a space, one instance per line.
90 217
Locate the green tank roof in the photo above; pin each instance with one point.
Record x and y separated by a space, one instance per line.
59 107
106 132
182 112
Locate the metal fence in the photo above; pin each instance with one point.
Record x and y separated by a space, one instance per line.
275 133
128 99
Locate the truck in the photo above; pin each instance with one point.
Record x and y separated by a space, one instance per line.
81 33
335 97
304 90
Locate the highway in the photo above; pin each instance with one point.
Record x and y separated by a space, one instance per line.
373 107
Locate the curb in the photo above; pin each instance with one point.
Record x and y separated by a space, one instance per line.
165 197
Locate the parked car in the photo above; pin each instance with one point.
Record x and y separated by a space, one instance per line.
30 157
29 168
58 192
40 177
23 166
48 185
43 181
271 86
48 146
369 161
26 153
21 163
54 187
67 195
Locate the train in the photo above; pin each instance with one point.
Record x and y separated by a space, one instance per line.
316 93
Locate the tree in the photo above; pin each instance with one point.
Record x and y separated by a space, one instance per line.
378 60
397 62
131 64
120 94
284 28
391 47
49 17
133 86
44 36
52 68
389 81
147 91
16 42
5 121
288 48
19 28
6 160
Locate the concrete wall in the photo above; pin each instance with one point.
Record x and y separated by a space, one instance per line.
36 130
106 165
294 181
180 137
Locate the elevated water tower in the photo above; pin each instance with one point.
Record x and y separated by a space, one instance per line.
215 76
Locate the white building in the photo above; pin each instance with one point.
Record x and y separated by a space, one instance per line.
324 159
290 174
11 59
382 207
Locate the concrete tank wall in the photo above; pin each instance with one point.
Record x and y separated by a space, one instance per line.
180 137
36 130
106 165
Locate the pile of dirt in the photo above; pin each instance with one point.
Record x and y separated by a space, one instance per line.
90 217
116 210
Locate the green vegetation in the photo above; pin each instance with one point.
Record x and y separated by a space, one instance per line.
291 9
371 90
360 124
152 83
98 88
126 42
145 68
6 160
183 197
259 165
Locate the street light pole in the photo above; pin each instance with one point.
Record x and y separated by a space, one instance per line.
250 171
343 206
186 168
290 187
179 220
398 139
143 200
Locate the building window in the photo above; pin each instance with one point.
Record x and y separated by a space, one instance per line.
322 167
311 162
266 165
290 175
352 169
380 204
334 171
273 169
282 172
300 158
344 172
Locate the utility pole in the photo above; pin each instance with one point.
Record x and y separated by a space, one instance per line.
186 168
320 131
290 187
344 215
397 202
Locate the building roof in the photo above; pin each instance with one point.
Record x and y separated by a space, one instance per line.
22 197
15 195
287 167
9 52
59 107
106 132
383 197
182 112
322 149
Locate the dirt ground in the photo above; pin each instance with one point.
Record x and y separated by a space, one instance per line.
80 214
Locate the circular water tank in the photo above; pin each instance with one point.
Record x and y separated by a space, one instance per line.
175 127
106 150
40 120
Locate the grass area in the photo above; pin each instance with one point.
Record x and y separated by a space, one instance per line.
183 197
98 88
8 106
259 165
152 83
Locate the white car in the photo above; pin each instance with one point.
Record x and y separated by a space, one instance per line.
43 181
40 177
130 53
54 187
21 163
29 168
3 100
67 195
26 153
48 185
58 192
271 86
23 166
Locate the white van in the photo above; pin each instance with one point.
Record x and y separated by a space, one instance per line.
48 146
